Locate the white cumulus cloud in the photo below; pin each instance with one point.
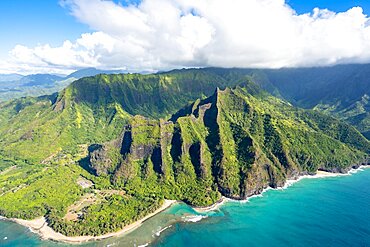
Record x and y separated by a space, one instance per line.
165 34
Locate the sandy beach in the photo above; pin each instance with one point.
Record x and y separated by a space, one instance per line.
212 207
324 174
40 227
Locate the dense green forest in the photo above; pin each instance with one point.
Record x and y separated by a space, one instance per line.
135 140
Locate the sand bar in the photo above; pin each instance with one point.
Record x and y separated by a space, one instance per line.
213 207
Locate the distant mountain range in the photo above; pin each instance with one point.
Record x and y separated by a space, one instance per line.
15 85
91 72
10 77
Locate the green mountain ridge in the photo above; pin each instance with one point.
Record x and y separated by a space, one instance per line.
234 136
337 90
131 137
334 90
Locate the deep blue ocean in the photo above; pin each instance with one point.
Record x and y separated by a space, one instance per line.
331 211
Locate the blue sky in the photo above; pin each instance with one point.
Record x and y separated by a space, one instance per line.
304 6
32 23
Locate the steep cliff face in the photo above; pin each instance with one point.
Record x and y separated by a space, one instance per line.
235 143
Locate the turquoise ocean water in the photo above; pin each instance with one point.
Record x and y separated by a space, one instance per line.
331 211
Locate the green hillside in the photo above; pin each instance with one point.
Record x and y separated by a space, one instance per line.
134 140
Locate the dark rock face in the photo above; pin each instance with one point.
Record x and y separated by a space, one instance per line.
195 156
99 161
255 182
59 104
176 145
335 169
126 142
141 151
156 159
275 180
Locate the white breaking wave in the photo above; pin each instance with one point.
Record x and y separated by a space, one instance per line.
290 182
144 245
158 233
193 218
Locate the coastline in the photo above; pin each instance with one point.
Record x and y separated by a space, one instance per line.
289 182
212 207
40 227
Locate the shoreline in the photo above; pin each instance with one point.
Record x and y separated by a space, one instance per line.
288 183
40 227
212 207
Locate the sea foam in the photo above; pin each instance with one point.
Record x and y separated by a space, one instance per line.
287 184
158 233
193 218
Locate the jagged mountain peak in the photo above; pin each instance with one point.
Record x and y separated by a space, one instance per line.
234 141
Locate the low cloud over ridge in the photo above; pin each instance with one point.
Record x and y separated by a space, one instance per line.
166 34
